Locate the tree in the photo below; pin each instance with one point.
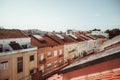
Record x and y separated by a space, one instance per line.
112 33
96 29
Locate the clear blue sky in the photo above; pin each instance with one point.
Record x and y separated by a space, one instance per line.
59 15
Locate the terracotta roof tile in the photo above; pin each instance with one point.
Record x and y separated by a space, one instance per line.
39 43
61 39
72 38
98 36
92 37
50 41
55 38
67 39
15 46
11 33
83 37
77 38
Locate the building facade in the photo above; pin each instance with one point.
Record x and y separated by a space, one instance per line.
18 58
50 54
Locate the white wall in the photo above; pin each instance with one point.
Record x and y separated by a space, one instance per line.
82 46
99 33
69 47
6 42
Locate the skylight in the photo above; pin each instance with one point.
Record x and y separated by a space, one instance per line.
37 36
59 36
73 36
84 36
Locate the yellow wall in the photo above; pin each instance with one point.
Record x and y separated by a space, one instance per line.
69 47
11 71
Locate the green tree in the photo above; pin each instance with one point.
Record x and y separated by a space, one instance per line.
96 29
112 33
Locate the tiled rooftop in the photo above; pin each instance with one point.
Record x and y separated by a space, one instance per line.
13 33
15 46
98 36
92 37
44 41
56 39
50 41
84 37
77 38
113 74
37 42
67 39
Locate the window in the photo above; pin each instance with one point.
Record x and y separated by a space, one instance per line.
42 57
49 54
55 53
60 61
73 56
19 64
55 63
24 46
60 51
32 71
49 65
42 68
1 47
32 58
4 65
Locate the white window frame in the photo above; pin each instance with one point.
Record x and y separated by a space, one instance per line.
49 65
42 68
55 53
49 54
60 52
55 63
42 56
3 65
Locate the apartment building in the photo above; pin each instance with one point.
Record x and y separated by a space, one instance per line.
50 54
81 45
70 46
101 66
18 58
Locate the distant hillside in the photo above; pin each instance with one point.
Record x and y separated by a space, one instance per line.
39 32
34 32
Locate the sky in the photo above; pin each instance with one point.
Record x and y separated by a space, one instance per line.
60 15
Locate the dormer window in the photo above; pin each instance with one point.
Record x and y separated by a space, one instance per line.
15 46
1 47
24 46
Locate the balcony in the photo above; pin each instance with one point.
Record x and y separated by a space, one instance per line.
74 59
60 56
71 51
42 61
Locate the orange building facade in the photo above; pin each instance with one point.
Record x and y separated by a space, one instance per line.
50 54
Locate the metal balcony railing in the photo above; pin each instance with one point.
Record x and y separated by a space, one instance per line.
42 61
